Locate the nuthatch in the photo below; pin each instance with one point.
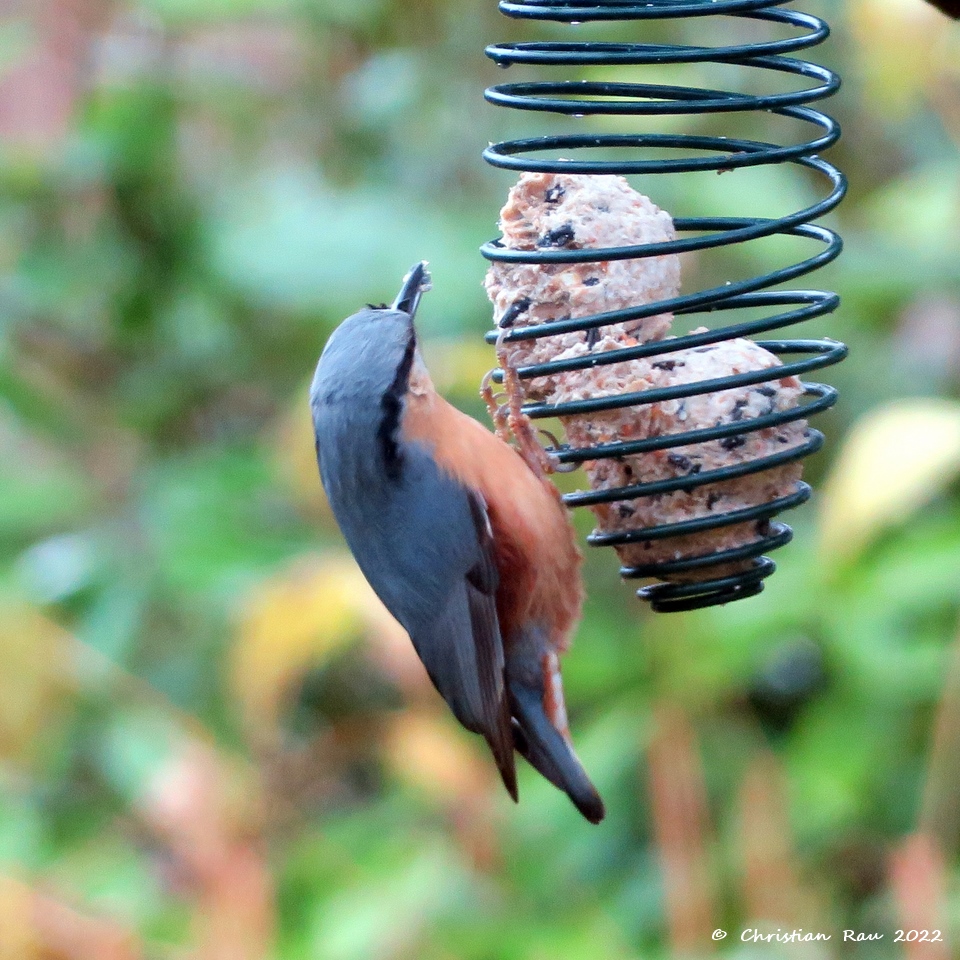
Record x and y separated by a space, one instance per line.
468 547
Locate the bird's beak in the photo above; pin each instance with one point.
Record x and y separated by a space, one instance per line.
415 283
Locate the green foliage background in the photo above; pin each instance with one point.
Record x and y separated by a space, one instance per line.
205 733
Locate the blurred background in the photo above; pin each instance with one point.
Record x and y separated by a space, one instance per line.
213 742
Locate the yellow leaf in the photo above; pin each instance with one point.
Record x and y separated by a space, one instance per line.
424 749
894 460
293 621
17 936
901 49
38 670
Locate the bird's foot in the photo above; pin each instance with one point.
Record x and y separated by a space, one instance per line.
553 453
540 461
496 407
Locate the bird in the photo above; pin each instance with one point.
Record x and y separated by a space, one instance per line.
468 547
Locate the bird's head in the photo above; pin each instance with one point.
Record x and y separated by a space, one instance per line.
373 352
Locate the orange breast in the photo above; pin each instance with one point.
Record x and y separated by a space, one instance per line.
537 555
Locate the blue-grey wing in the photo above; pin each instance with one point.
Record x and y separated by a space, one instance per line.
424 543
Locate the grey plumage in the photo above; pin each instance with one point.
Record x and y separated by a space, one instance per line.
419 537
424 540
535 737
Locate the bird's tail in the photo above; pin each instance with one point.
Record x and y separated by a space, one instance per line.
536 702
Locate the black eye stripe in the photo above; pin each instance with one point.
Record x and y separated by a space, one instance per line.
391 403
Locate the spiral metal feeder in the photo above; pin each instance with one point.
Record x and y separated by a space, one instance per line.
714 581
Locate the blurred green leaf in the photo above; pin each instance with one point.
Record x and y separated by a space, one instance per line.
226 180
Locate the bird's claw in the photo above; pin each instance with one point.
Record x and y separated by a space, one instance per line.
553 454
506 411
529 447
496 403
